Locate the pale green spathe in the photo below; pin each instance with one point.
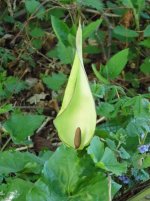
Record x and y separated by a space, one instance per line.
78 107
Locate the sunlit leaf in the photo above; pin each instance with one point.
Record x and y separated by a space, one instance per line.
21 126
55 81
16 190
116 64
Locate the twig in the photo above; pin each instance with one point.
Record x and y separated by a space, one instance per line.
28 107
118 96
110 27
99 13
109 188
10 10
102 45
49 60
6 143
43 124
14 5
100 120
24 148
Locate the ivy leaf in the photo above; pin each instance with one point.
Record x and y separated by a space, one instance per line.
55 81
78 108
13 85
21 126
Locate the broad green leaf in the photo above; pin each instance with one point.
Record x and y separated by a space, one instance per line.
78 108
69 179
68 169
109 162
145 67
105 159
147 31
17 190
41 192
96 149
87 189
90 28
115 64
55 81
21 126
61 30
122 31
13 162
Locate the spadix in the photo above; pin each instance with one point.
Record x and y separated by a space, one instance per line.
76 120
